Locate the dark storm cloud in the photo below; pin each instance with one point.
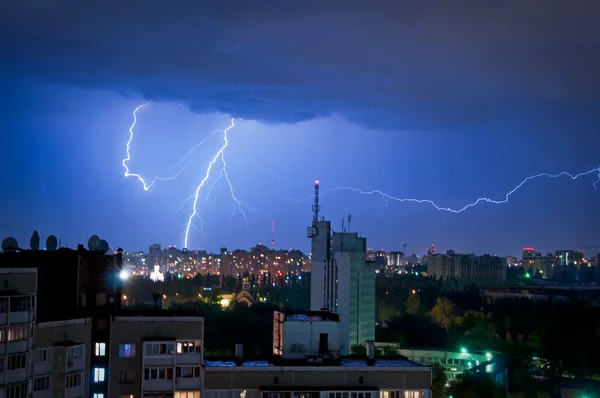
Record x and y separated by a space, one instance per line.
380 63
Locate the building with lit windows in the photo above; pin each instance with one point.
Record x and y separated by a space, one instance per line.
17 323
155 356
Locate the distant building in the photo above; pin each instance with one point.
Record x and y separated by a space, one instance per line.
479 269
566 258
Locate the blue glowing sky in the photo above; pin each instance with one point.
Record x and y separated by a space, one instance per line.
420 103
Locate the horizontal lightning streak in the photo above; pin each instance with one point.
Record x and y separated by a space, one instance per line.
386 196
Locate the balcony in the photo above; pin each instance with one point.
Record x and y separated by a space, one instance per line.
188 384
158 385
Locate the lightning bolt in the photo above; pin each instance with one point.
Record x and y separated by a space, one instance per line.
237 205
387 197
219 157
141 179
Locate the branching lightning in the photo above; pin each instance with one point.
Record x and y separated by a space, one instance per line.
237 205
217 159
387 197
141 179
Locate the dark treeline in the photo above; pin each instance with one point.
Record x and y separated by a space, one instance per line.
551 339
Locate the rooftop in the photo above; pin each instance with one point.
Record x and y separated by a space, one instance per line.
347 362
311 316
157 313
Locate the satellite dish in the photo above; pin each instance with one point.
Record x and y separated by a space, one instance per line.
103 246
10 245
51 243
93 242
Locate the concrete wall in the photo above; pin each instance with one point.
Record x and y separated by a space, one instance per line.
55 338
307 334
248 378
23 280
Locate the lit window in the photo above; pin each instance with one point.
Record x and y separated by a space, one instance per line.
98 395
99 375
100 349
126 350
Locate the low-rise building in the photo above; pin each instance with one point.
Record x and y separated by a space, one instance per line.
345 378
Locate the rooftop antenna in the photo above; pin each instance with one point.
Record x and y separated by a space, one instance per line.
349 221
316 206
343 230
272 235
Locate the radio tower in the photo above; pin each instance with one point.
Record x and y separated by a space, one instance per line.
272 235
316 206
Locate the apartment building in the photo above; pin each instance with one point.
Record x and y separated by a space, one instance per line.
60 359
154 355
17 320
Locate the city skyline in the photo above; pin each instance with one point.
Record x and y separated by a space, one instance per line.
449 119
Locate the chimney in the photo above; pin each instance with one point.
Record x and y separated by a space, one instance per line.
239 351
370 346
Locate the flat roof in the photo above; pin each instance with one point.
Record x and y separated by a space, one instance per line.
392 362
157 315
310 316
78 321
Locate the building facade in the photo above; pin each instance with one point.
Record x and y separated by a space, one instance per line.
155 356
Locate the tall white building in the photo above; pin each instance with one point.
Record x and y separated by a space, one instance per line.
342 281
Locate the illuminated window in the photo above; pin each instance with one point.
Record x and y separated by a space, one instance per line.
126 350
187 394
98 395
99 374
100 349
188 347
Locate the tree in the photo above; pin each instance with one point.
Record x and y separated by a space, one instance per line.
443 312
358 350
389 351
438 381
475 385
413 304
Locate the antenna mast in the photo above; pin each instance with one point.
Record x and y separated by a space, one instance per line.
316 206
272 235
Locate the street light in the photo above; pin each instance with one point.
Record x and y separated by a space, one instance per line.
123 275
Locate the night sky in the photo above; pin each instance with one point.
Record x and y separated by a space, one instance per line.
448 101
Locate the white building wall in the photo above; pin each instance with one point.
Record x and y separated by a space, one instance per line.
305 335
320 244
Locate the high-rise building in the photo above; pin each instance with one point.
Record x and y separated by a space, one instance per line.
342 281
355 286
